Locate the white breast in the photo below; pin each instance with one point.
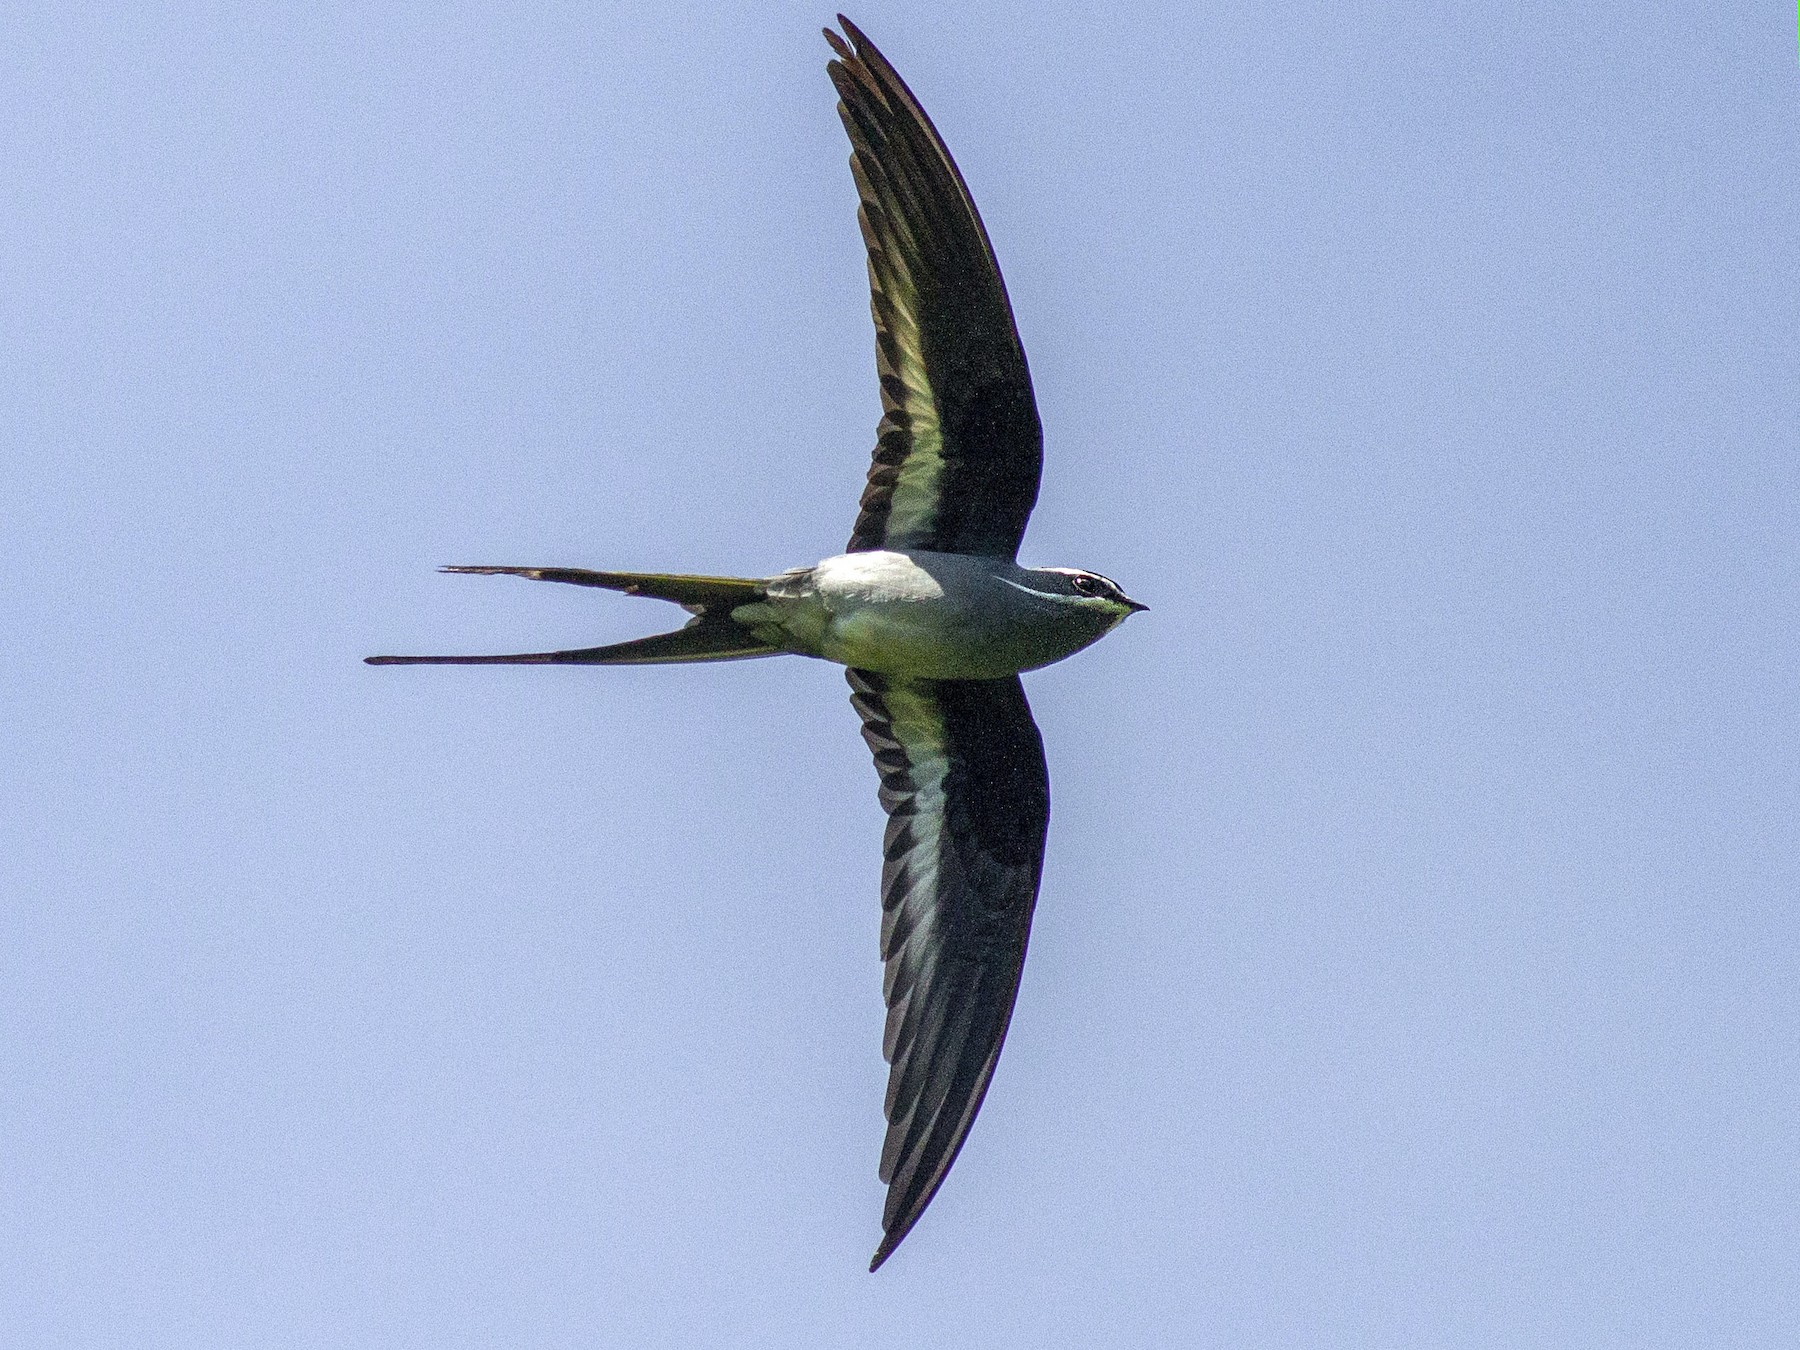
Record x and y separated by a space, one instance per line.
852 580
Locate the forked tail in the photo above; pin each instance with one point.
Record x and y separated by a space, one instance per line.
711 635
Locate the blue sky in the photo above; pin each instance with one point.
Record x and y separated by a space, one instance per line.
1417 956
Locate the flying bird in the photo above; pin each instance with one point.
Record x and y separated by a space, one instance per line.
933 618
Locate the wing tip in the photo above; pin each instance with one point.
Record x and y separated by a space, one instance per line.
889 1241
900 1226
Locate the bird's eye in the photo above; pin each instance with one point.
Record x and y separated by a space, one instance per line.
1085 586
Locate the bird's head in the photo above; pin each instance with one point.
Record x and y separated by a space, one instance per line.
1091 593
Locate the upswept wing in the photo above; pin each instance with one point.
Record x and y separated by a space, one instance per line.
967 793
959 449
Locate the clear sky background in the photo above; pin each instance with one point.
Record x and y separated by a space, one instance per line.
1418 962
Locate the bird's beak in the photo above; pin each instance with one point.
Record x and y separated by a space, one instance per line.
1135 606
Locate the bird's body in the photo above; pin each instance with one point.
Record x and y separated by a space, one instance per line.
931 616
933 619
